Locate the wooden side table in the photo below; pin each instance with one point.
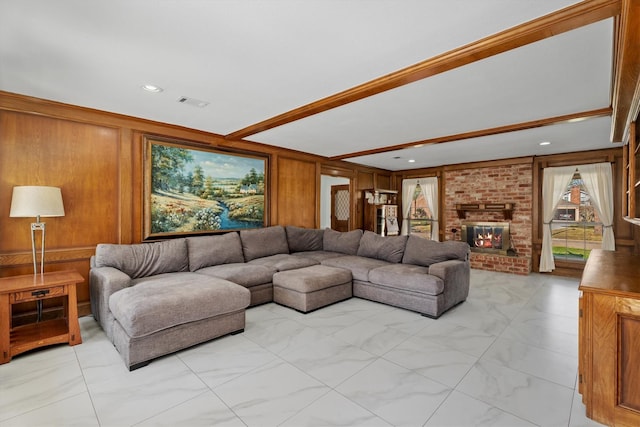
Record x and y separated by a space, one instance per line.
18 289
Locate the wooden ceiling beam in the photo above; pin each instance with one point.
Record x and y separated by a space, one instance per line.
626 87
567 19
567 118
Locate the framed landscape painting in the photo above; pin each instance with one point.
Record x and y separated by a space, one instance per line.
190 190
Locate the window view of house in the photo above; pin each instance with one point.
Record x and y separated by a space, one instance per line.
576 227
420 217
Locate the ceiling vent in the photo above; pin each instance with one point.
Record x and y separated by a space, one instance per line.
193 102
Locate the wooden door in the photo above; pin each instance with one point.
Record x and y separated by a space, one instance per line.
340 207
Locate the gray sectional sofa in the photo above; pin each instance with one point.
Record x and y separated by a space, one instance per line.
153 299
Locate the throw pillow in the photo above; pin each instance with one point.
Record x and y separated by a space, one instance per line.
389 248
345 242
262 242
420 251
304 239
144 259
205 251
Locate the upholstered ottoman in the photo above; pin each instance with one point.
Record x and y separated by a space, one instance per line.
310 288
165 313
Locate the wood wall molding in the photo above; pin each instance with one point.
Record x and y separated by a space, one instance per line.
567 19
626 88
51 256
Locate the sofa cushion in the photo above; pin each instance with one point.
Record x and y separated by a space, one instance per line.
144 259
345 242
358 265
420 251
264 242
407 277
244 274
205 251
318 255
304 239
282 262
390 248
166 300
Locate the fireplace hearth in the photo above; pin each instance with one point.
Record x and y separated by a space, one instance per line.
487 237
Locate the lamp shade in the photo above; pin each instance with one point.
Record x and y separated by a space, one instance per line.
32 201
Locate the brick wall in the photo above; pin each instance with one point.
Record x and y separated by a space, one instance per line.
498 184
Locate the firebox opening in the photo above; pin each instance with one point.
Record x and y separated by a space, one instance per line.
489 237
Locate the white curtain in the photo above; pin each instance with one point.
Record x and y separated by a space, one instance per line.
598 181
554 184
430 191
408 188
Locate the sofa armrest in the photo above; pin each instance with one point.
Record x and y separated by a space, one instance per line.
456 276
104 282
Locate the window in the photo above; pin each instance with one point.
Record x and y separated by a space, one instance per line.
420 215
576 227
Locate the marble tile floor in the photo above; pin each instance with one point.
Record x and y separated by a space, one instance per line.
505 357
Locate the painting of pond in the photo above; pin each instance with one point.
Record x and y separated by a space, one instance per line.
191 191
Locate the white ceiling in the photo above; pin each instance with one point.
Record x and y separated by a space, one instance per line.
252 60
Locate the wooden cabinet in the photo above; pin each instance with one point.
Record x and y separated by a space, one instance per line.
609 338
17 289
631 177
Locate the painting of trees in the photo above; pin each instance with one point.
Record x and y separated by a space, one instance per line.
196 190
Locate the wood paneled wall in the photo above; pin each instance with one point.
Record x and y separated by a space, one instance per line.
96 158
296 184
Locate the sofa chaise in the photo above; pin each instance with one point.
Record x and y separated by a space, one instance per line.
153 299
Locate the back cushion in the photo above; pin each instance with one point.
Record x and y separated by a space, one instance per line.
375 246
144 259
264 242
205 251
304 239
420 251
345 242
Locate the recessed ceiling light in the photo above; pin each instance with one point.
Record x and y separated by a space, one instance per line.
577 119
418 145
412 161
545 143
152 88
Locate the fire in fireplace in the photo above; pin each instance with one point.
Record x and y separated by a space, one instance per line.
491 237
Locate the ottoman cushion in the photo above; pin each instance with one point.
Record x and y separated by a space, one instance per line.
312 287
166 300
312 278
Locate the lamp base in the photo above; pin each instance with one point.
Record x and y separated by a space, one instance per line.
35 226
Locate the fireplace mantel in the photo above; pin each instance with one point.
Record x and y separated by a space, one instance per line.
505 208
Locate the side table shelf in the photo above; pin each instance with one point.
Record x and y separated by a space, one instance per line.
18 289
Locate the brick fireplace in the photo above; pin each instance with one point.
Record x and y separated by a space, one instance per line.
493 184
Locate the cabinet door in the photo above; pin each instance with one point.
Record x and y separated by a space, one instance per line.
629 354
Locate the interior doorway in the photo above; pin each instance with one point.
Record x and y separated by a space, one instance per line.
340 211
335 215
